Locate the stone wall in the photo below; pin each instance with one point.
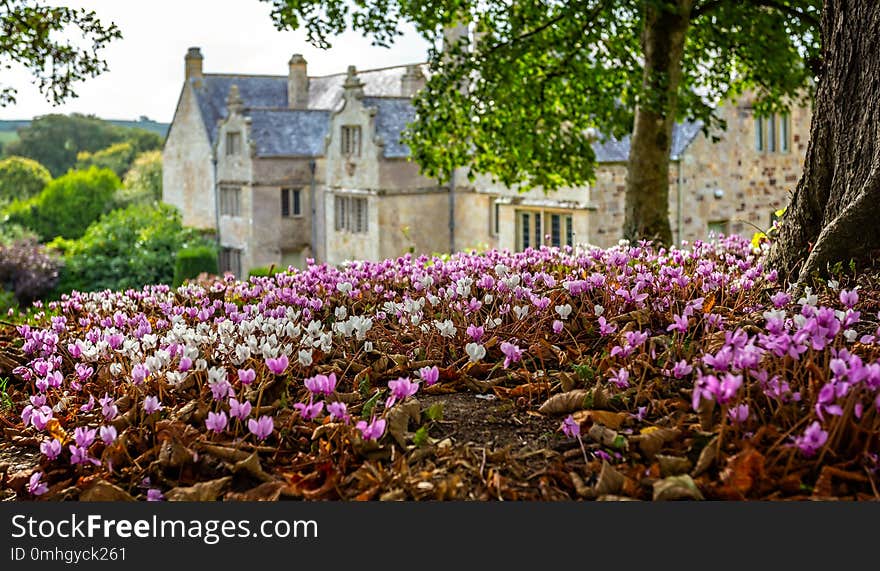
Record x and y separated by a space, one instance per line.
187 171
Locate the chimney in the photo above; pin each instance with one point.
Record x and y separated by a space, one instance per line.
353 84
298 83
193 63
234 103
412 81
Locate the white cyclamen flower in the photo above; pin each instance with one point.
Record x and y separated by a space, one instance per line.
563 310
475 351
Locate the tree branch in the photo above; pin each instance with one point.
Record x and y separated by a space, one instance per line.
711 5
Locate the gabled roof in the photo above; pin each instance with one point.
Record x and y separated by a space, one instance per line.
393 114
289 132
617 150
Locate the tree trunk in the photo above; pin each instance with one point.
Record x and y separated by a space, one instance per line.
647 181
834 213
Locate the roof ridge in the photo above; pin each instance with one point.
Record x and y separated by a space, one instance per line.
287 109
360 71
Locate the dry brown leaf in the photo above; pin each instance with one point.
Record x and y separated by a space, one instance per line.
742 473
399 418
565 403
652 442
673 465
251 465
707 457
202 492
104 491
676 488
265 492
610 480
613 420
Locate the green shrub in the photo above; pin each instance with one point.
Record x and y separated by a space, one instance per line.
128 248
118 157
21 178
68 204
143 182
191 262
263 271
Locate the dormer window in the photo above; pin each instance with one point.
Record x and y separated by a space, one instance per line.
233 143
350 140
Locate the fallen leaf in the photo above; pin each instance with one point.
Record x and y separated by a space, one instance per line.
201 492
399 418
651 442
707 457
676 488
265 492
673 465
613 420
251 465
610 480
564 403
743 471
104 491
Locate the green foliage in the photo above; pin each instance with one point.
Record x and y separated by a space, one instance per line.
68 204
59 46
143 182
127 248
21 178
57 140
264 271
190 262
526 102
7 301
117 157
10 233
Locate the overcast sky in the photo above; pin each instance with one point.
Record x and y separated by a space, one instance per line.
236 36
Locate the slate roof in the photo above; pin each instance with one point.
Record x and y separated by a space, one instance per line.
289 132
393 114
617 150
279 131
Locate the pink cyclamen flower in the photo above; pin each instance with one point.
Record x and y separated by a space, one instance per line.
139 374
620 379
512 353
570 427
239 410
338 411
154 495
83 371
681 369
557 326
185 364
84 437
812 439
80 455
216 421
400 389
475 332
739 414
108 407
108 434
220 389
849 298
35 486
247 376
372 431
51 448
89 405
152 404
262 427
430 375
279 365
321 384
311 410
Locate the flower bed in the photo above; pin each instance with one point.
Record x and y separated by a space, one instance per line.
670 374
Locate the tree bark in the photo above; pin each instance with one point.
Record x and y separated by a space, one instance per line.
647 181
834 215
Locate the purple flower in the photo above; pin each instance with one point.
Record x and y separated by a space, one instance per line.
220 389
152 404
311 410
512 353
239 410
108 434
606 328
35 486
338 411
780 299
681 369
680 323
620 379
812 439
430 375
321 384
216 421
139 374
279 365
80 455
154 495
400 389
739 414
849 298
108 407
84 437
557 326
247 376
570 427
262 427
372 431
89 405
475 332
84 371
51 448
185 364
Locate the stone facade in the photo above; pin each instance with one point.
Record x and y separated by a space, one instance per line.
313 167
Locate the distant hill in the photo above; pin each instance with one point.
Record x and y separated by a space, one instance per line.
9 128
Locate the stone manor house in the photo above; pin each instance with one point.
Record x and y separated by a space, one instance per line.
291 166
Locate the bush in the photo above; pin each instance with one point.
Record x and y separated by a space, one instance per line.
27 270
264 271
143 183
117 157
21 178
68 204
127 248
191 262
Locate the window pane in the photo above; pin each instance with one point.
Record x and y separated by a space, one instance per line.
783 132
771 133
539 239
297 210
569 231
285 202
759 134
526 230
497 216
555 229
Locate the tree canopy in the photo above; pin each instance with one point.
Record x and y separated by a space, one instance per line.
522 94
21 178
58 45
